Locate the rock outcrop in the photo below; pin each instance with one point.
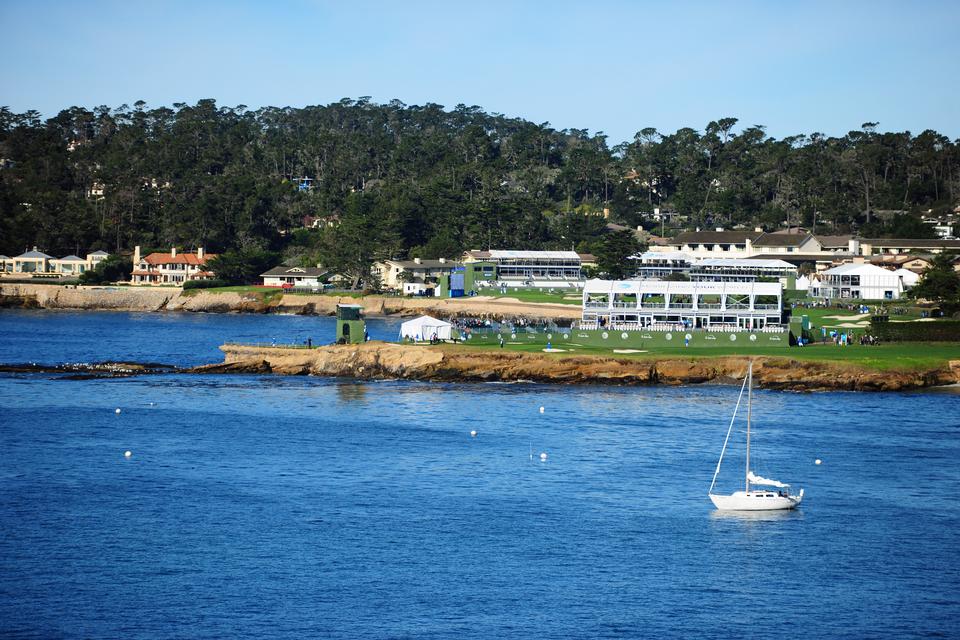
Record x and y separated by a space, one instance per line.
384 360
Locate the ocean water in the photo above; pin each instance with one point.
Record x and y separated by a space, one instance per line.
297 507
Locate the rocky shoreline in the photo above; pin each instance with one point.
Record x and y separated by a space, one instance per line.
143 299
380 360
376 360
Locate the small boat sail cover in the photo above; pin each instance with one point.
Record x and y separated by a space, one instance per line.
755 479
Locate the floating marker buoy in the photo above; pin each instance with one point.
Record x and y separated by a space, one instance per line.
473 434
543 457
541 409
127 454
117 411
817 461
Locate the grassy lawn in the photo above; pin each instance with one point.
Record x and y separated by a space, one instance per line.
903 356
264 294
557 296
268 293
824 317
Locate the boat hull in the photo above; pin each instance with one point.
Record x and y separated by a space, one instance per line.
755 501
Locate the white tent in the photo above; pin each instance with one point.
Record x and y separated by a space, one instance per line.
425 328
909 277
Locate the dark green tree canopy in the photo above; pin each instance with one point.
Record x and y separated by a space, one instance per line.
400 180
940 284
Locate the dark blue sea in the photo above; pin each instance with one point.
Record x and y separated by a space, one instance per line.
299 507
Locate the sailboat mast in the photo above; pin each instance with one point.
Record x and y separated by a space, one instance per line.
749 407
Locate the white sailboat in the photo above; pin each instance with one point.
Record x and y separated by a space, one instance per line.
757 499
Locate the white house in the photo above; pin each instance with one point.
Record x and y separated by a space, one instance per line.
859 282
294 277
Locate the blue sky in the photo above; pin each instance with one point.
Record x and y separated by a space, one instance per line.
616 67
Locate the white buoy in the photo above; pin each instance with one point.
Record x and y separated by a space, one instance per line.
541 409
127 454
117 411
543 457
817 461
473 434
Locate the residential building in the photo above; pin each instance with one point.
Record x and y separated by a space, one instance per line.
770 244
69 265
712 244
33 262
871 246
170 268
909 261
394 273
36 264
287 277
859 282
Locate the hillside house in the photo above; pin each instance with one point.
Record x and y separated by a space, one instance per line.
170 268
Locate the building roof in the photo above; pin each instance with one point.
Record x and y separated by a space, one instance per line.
72 258
180 258
307 272
794 258
35 255
899 258
413 265
781 240
912 243
676 256
855 269
715 237
100 252
741 263
535 255
834 242
3 257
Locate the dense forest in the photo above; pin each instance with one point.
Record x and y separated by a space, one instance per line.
404 181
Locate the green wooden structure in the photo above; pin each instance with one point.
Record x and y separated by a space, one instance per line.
351 329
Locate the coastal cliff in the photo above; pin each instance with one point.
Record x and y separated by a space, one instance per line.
150 299
383 360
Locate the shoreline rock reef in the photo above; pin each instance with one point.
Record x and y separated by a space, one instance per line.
388 361
380 360
149 299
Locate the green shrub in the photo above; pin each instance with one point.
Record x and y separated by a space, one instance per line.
203 284
935 331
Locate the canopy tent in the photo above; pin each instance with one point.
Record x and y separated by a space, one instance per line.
426 328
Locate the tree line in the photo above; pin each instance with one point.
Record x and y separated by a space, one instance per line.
397 180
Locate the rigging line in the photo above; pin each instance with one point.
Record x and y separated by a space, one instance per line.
727 439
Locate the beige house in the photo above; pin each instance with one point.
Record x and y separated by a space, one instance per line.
34 263
37 264
170 268
394 273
